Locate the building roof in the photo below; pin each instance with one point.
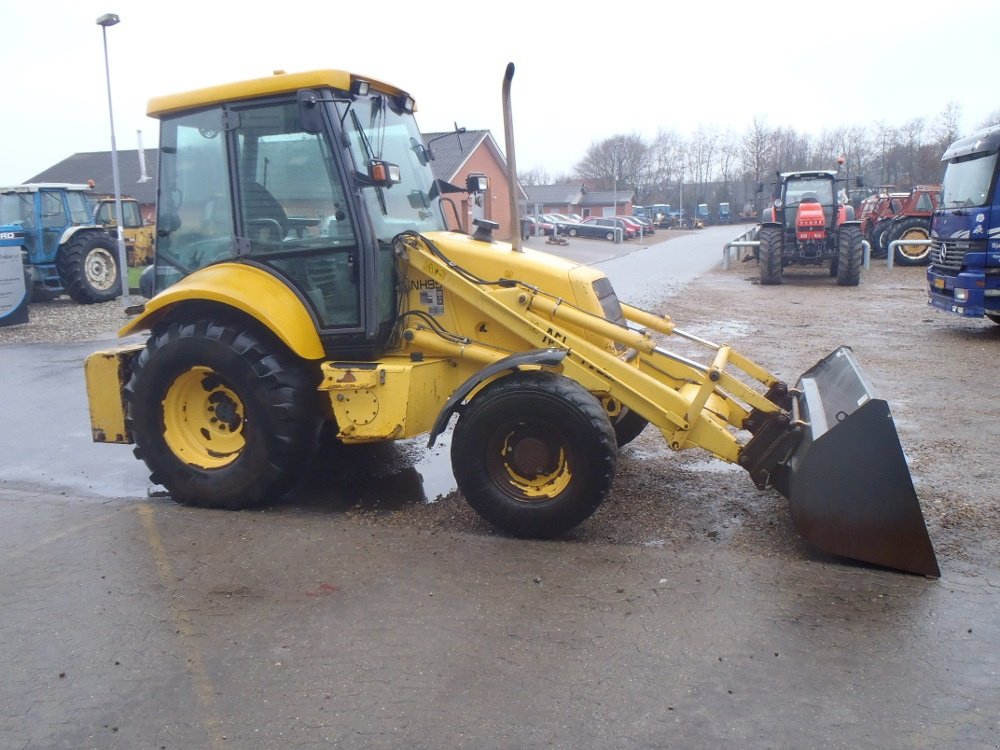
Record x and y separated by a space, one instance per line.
605 197
563 195
96 166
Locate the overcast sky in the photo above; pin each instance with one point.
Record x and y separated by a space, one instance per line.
580 76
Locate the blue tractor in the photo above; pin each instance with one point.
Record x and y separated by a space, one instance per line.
64 251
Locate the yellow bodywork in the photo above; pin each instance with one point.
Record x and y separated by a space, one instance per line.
254 89
452 326
106 373
247 289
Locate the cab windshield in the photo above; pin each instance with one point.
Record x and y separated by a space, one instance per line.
967 181
378 130
820 191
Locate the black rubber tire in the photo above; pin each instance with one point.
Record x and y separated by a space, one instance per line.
994 318
572 232
249 407
553 423
877 242
628 426
610 236
911 228
88 268
769 255
850 255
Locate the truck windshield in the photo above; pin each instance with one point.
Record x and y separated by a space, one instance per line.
376 130
967 181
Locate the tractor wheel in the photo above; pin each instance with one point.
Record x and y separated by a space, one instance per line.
223 417
850 256
912 228
628 426
534 454
770 255
877 242
88 268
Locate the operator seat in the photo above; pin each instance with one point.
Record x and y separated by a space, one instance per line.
264 218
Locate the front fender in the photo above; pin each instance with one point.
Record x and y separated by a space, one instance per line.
535 357
246 288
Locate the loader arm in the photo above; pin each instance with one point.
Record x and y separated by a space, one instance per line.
690 403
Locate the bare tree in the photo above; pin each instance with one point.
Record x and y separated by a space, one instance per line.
619 161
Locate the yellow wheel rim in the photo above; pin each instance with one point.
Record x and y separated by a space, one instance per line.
203 419
531 468
914 251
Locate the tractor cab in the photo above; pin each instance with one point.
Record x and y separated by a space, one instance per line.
809 193
311 186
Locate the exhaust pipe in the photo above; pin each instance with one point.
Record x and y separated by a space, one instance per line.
508 135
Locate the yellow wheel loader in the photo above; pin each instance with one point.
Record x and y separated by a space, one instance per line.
304 275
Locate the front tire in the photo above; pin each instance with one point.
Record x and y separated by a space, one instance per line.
88 268
534 454
769 255
224 417
850 255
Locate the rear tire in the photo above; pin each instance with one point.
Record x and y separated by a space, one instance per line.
628 426
534 454
223 417
88 268
850 255
994 318
912 228
769 255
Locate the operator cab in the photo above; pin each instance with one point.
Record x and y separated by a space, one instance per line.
310 184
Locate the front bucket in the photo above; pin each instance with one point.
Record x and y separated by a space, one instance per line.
847 483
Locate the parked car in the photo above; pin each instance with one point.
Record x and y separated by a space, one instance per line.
594 227
608 224
532 226
559 221
640 223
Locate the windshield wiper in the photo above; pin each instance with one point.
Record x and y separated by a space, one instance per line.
370 154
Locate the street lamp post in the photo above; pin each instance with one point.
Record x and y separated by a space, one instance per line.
110 19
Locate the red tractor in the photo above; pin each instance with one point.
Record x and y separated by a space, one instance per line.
807 225
912 222
874 212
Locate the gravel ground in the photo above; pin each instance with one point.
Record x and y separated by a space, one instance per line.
929 366
62 320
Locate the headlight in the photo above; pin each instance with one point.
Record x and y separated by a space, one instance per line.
961 295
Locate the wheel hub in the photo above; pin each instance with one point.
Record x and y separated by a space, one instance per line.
100 269
530 457
203 419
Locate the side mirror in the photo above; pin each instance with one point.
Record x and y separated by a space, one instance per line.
309 111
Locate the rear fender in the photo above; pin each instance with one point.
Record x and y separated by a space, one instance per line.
249 289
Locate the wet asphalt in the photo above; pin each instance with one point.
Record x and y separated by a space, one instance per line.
131 622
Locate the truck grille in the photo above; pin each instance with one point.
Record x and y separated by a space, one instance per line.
948 257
